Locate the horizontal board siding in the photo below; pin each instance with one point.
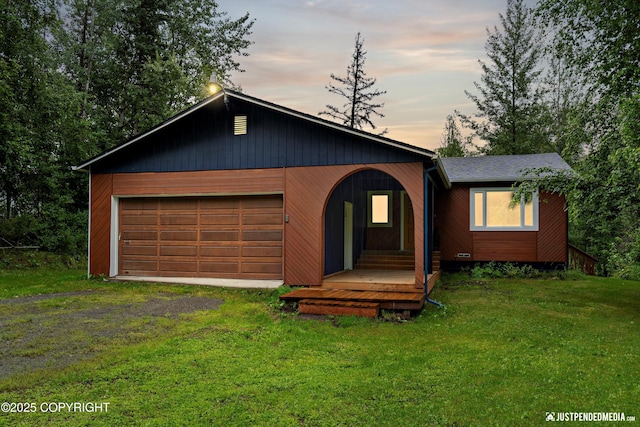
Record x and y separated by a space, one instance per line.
193 183
504 246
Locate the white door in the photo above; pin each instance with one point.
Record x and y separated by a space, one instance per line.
348 236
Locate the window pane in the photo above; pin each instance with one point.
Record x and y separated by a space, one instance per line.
499 214
528 214
479 209
379 208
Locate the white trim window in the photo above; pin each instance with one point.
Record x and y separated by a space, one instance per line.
492 210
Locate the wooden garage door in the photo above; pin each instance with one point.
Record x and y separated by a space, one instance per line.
226 237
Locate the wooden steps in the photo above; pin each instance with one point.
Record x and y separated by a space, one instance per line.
389 260
386 300
339 308
368 289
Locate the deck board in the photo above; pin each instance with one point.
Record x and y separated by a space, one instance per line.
344 295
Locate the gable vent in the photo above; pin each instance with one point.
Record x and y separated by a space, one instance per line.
240 125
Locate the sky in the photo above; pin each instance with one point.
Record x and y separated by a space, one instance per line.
424 53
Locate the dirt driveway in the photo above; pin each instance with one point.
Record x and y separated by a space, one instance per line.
56 330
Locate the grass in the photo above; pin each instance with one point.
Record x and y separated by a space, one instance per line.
502 353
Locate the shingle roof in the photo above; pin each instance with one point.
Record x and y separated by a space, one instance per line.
498 168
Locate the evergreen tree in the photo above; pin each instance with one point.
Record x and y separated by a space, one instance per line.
73 85
510 108
453 144
145 60
357 89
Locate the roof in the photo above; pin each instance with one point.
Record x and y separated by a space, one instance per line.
230 94
499 168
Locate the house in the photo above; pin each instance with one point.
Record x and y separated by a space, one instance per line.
474 222
240 189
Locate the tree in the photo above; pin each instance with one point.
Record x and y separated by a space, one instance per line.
79 76
453 144
358 91
510 107
600 39
145 60
598 42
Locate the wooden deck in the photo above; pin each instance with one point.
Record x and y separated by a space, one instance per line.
361 293
364 292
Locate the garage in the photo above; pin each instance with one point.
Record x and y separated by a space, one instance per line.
219 237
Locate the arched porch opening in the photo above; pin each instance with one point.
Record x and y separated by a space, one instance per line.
368 224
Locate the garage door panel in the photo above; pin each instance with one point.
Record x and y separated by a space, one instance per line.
262 235
139 204
262 251
185 251
219 267
138 219
179 219
261 267
220 251
219 219
179 235
261 202
129 235
189 204
231 237
178 265
220 203
140 265
144 250
220 236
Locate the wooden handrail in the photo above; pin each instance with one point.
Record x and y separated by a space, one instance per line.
580 260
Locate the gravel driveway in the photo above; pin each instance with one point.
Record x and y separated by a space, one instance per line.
56 330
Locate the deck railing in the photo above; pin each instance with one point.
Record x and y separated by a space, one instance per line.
580 260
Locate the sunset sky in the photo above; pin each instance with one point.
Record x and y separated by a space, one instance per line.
423 53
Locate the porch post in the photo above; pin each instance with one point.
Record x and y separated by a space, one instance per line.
426 214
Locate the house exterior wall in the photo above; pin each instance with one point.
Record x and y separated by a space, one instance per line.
305 190
452 222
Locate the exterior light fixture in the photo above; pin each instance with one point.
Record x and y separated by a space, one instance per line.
214 86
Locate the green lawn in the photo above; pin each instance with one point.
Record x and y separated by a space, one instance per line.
502 353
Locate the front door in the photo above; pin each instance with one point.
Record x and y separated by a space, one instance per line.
348 236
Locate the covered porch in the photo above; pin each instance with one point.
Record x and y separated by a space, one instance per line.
364 292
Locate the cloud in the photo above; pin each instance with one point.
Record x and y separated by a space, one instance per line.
424 53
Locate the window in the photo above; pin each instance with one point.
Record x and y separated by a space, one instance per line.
491 209
380 210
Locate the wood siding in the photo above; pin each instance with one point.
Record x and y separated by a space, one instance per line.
195 183
548 244
306 191
204 140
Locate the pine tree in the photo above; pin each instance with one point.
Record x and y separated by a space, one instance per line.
453 144
510 101
358 91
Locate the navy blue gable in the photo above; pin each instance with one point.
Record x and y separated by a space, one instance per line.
204 139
